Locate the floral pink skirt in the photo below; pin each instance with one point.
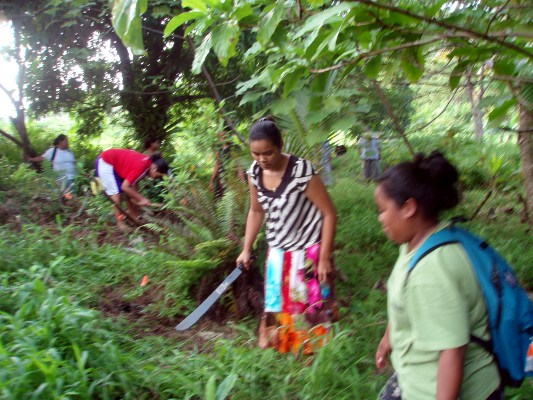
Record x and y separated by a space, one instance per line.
298 309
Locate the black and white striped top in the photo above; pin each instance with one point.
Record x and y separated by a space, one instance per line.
293 221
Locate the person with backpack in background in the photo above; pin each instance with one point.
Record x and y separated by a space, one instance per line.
370 150
435 309
120 170
63 162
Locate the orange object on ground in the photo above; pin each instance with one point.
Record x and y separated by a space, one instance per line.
144 281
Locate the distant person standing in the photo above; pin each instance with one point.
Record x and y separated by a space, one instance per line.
370 150
223 155
326 154
152 146
63 162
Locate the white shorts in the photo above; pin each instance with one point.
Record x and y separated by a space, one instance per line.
110 180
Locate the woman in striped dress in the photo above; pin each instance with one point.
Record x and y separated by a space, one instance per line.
300 229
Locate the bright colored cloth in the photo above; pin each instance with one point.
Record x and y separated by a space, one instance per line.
130 165
293 295
438 308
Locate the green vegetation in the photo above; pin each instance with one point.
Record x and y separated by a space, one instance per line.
76 323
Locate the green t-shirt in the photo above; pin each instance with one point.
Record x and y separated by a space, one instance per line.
437 309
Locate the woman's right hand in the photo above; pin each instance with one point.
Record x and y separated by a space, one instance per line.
383 352
245 259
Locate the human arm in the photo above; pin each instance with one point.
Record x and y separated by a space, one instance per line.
316 192
35 159
384 349
254 221
450 373
132 192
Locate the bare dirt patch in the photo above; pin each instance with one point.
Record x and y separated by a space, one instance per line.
143 322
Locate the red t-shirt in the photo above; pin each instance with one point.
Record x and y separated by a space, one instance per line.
128 164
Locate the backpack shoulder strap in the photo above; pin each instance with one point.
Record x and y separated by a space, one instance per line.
53 154
445 236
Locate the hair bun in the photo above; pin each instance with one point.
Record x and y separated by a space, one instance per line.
269 118
437 168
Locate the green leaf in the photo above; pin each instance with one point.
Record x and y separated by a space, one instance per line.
504 67
225 38
201 54
279 37
270 22
160 11
126 19
364 39
434 8
244 86
343 123
253 51
316 21
242 12
411 65
456 74
315 3
179 20
497 116
373 66
250 97
194 5
283 106
291 80
211 387
411 71
225 386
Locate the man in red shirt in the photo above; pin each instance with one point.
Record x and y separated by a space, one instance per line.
120 170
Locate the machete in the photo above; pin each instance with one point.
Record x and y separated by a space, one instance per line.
193 317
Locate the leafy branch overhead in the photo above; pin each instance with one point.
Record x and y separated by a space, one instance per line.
309 37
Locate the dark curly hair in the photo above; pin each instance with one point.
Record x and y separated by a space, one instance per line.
431 181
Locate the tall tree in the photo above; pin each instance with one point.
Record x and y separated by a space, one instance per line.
16 97
76 62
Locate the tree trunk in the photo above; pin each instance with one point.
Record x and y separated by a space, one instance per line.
477 113
525 142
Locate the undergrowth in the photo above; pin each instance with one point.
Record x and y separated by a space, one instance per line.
58 342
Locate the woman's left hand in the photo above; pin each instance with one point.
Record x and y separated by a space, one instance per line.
325 267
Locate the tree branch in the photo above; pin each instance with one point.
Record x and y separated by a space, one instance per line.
216 96
392 115
12 138
499 10
434 21
8 93
362 56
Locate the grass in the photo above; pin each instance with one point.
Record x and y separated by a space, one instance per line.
55 343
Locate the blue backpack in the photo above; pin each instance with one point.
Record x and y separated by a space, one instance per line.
510 312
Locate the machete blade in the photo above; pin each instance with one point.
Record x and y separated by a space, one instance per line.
193 317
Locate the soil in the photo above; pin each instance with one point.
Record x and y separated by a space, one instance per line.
142 322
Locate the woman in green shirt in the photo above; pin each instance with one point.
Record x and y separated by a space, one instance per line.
432 314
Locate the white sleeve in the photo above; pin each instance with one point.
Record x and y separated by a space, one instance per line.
48 154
